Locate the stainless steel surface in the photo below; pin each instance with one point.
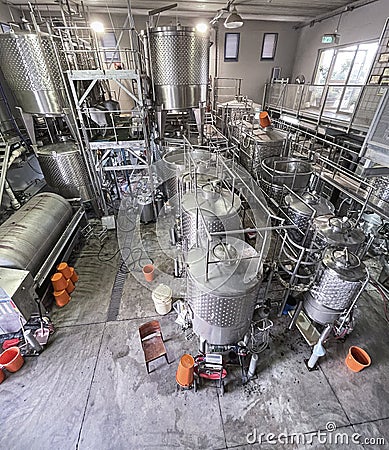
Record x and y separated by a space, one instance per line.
30 67
380 194
339 232
18 285
220 212
300 212
223 304
146 209
65 171
177 163
336 287
28 236
258 146
294 173
180 66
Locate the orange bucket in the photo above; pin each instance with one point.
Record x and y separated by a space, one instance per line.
73 276
357 359
11 359
70 287
62 298
2 375
148 272
185 371
264 119
59 282
65 270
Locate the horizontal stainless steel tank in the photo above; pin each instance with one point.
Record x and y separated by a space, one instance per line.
31 69
223 304
336 287
65 170
28 236
262 144
220 210
179 58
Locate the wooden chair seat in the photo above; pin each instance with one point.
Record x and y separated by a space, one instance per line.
152 342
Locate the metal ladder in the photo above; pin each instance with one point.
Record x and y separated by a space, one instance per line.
4 158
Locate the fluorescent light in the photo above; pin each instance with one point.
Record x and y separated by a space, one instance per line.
202 27
233 19
98 27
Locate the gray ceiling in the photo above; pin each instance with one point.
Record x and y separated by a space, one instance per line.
280 10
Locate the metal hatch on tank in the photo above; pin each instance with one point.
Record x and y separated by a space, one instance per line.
222 292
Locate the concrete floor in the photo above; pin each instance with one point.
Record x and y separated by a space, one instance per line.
90 389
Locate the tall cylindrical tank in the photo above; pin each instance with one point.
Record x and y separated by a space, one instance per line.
179 58
28 236
30 67
337 285
65 171
177 163
223 303
219 209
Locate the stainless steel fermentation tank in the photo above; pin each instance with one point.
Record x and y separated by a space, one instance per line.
65 170
301 212
223 301
30 66
259 145
178 165
219 209
277 171
179 64
337 286
29 235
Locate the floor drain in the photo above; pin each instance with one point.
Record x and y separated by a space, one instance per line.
116 295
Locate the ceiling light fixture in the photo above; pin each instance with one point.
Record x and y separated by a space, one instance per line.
233 19
98 27
202 27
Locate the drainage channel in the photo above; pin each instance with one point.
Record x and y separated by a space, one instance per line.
116 294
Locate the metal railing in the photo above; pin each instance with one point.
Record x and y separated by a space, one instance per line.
345 106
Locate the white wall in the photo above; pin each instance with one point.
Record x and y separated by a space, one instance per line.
256 73
362 24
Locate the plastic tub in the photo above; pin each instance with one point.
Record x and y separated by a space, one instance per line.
162 298
11 359
357 359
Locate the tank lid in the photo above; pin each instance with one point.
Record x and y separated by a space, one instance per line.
226 253
218 204
339 232
58 148
322 206
226 280
346 264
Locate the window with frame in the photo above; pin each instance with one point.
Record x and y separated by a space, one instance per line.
108 44
269 46
231 47
344 70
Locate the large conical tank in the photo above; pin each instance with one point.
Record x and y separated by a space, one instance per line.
179 64
31 69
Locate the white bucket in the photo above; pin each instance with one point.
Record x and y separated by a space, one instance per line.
162 297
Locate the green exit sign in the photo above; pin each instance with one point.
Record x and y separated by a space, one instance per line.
329 39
